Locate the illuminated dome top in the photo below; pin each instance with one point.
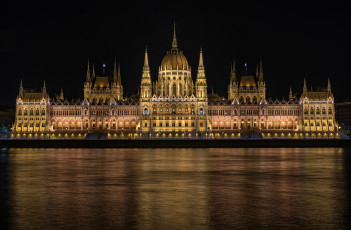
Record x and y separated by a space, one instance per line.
174 58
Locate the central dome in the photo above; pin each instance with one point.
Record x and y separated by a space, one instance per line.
174 59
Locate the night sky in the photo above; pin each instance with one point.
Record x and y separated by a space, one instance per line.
52 41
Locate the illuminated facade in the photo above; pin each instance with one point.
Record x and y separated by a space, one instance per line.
174 106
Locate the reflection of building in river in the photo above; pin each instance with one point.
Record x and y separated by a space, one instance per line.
175 106
172 190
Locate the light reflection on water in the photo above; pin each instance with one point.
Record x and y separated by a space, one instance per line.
175 188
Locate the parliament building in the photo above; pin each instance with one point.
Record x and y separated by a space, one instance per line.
174 106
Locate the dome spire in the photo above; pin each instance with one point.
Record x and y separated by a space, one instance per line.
174 42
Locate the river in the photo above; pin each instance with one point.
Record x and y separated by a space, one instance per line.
245 188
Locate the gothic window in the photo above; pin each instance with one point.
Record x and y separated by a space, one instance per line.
43 112
31 112
20 112
311 110
174 90
330 111
201 111
145 111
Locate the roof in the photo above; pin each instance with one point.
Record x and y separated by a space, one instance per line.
172 60
248 81
102 82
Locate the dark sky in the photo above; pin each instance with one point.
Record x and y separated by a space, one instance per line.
53 40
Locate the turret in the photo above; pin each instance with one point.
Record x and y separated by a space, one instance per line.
201 85
146 86
290 94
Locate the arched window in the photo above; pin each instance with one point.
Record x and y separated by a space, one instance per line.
174 90
201 111
146 111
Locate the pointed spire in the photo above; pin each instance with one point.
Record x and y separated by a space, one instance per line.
174 42
304 85
114 72
61 95
290 94
261 71
44 87
329 85
201 61
233 73
88 73
21 90
201 68
93 71
146 59
119 74
257 73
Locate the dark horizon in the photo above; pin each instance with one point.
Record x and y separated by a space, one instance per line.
53 42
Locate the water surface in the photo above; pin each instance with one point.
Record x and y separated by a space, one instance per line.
287 188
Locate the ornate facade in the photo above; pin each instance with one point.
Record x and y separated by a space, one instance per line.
174 106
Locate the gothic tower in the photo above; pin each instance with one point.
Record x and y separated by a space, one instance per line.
145 96
201 95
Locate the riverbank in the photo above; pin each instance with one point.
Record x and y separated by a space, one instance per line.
177 143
